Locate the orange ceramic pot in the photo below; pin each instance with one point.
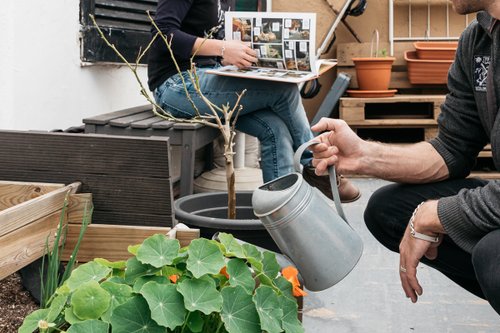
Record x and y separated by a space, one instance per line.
373 73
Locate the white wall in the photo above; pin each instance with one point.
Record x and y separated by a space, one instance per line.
43 84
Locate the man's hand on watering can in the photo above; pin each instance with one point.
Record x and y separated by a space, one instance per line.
340 146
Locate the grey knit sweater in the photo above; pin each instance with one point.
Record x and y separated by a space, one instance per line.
468 122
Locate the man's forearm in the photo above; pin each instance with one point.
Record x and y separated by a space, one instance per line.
412 163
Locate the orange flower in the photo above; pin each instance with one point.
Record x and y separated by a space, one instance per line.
291 274
173 278
223 271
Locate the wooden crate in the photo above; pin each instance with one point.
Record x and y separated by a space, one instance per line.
111 241
394 134
399 110
29 217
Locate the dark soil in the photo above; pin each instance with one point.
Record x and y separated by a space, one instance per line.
15 303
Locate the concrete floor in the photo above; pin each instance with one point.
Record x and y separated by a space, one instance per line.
370 299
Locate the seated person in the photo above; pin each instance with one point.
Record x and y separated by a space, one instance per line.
272 111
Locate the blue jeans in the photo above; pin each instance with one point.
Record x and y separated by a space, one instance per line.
272 112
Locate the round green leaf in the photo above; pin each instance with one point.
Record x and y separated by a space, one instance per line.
120 293
91 271
90 301
134 316
240 275
166 304
201 295
136 269
195 322
132 249
238 311
290 321
268 308
253 255
89 326
140 282
122 264
158 250
70 317
56 307
270 265
233 248
205 257
285 286
30 323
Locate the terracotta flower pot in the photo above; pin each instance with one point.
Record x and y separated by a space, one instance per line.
373 73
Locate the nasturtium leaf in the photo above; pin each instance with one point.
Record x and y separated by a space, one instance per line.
90 301
285 286
253 255
89 326
116 279
70 317
169 270
145 279
195 322
134 316
30 323
122 264
271 267
205 257
91 271
201 295
120 293
158 250
238 311
264 279
132 249
240 274
290 322
136 269
56 306
268 308
233 248
165 303
63 290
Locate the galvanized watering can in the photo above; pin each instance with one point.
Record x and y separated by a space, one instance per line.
307 228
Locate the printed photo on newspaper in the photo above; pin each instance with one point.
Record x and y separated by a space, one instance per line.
284 42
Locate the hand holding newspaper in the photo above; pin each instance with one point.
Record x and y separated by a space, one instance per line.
284 42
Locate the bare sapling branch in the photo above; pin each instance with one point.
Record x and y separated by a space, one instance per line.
157 109
222 117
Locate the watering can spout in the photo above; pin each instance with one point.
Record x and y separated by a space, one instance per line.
309 229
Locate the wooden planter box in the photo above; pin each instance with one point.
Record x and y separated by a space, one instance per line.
29 217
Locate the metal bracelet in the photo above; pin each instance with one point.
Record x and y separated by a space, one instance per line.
418 235
223 48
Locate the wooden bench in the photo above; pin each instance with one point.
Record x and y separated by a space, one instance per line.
128 177
140 121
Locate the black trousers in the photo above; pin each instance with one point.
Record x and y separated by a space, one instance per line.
387 215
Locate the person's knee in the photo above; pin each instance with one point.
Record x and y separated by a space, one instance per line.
380 218
375 211
486 262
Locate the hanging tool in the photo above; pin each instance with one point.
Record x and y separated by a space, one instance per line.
311 88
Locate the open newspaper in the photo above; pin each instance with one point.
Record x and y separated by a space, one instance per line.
284 42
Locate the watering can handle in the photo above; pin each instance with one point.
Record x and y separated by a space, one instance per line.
331 172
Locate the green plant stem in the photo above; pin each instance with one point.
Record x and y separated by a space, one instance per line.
219 326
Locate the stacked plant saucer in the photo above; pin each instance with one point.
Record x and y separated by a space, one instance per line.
374 76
